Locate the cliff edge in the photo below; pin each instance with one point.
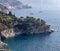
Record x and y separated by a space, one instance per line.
11 26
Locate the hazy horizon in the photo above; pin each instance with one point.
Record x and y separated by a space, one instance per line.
43 4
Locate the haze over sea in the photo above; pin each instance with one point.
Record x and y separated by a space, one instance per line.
48 10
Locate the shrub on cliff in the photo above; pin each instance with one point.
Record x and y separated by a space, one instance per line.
27 23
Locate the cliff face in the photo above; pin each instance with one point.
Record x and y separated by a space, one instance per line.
11 26
8 33
12 32
43 29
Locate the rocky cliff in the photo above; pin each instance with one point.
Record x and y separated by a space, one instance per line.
11 26
8 33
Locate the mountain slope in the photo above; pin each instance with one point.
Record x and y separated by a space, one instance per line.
4 9
11 26
14 4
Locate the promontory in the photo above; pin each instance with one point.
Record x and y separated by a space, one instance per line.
11 26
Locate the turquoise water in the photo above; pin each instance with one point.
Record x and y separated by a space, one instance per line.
40 42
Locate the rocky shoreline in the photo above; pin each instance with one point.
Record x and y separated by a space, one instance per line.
9 33
11 26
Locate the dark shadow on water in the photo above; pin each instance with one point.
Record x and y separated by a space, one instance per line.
30 36
25 36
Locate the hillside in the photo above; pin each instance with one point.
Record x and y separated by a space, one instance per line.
11 26
3 8
14 4
7 19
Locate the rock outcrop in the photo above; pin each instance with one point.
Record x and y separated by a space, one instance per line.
11 26
3 46
8 33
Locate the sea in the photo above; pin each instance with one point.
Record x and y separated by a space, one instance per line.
41 42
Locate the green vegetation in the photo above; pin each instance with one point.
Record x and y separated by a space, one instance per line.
30 22
7 19
25 24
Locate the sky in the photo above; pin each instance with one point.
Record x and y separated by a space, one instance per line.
43 4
